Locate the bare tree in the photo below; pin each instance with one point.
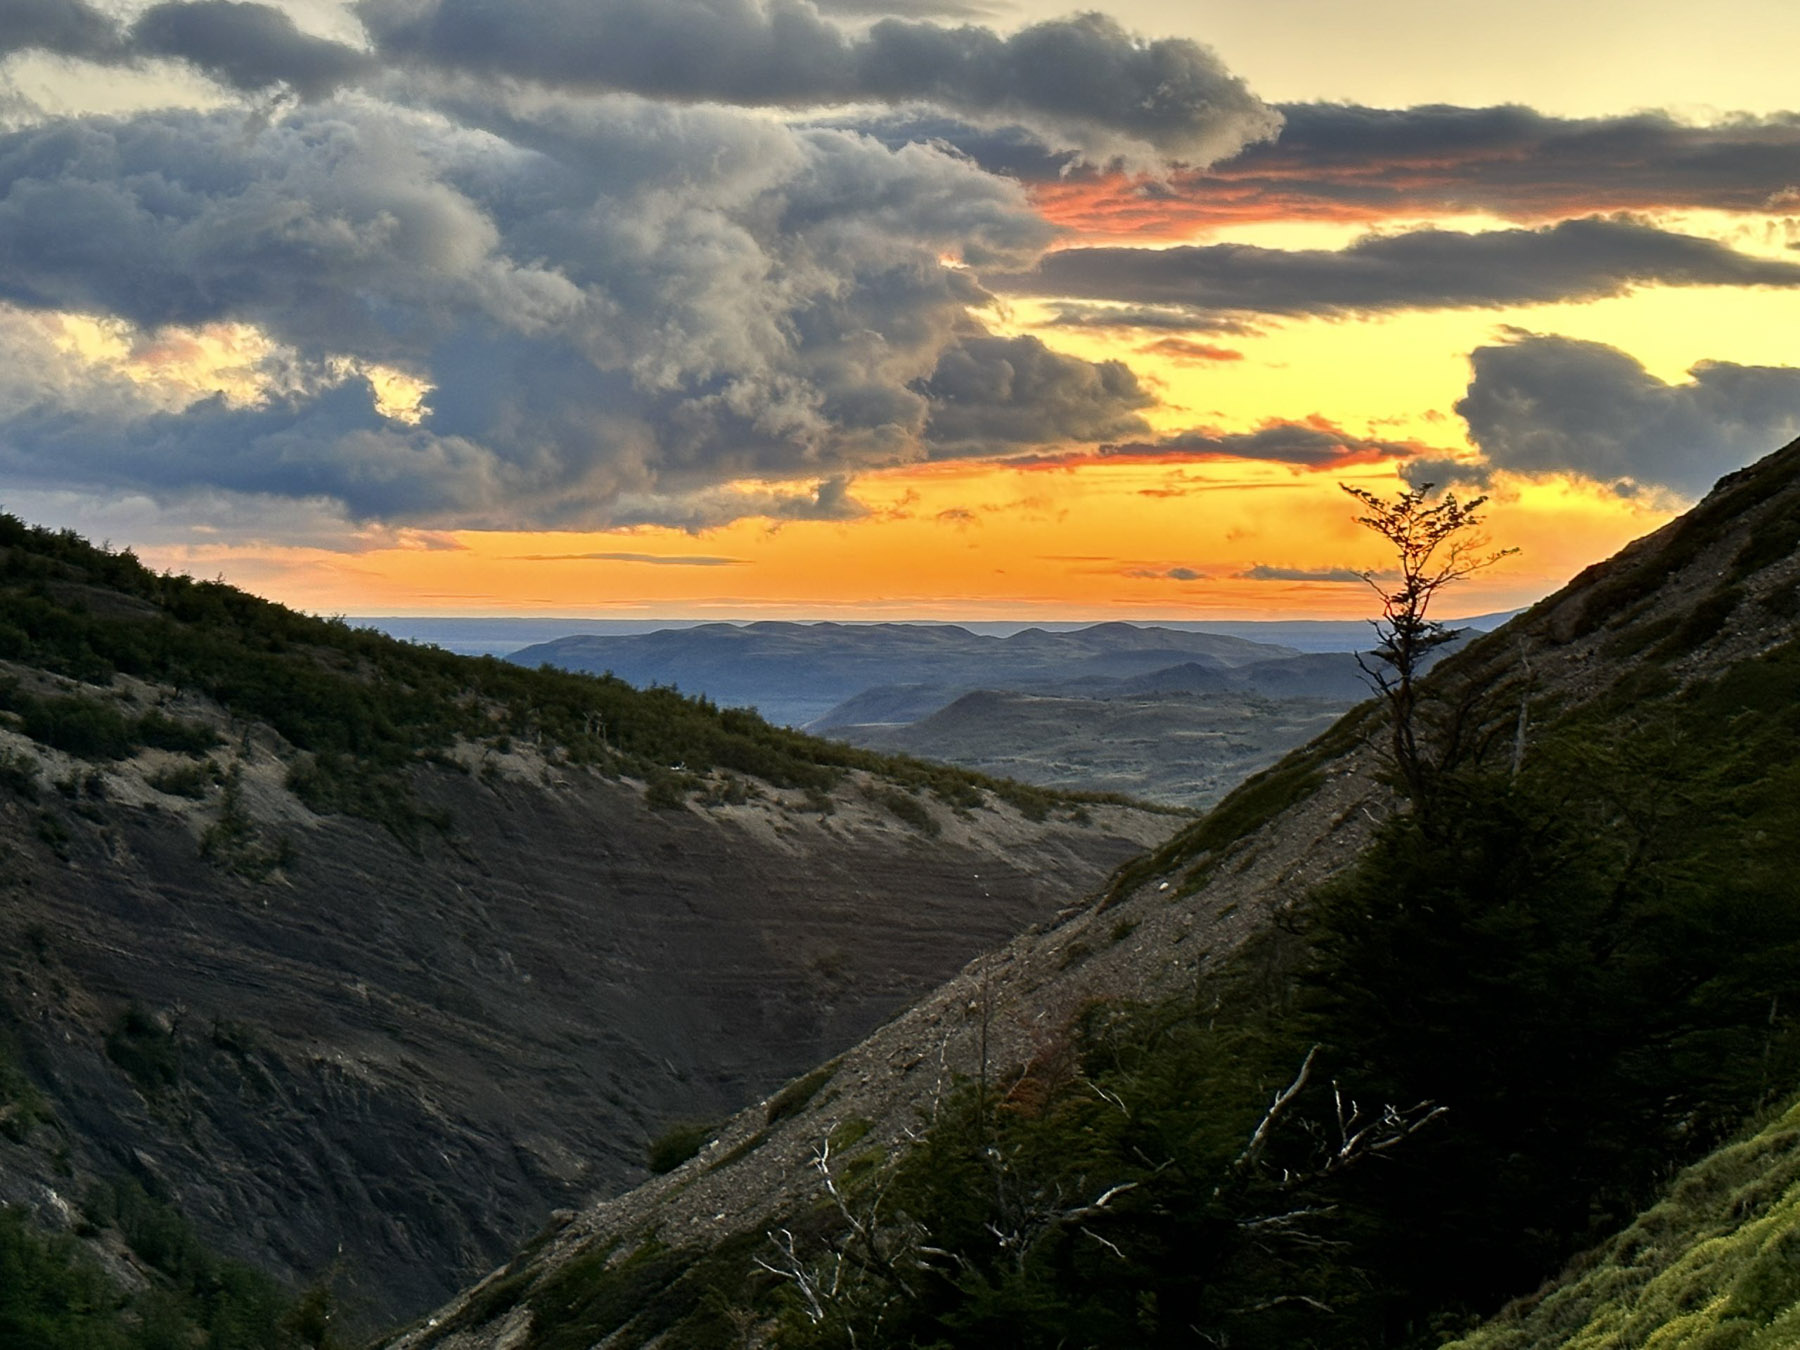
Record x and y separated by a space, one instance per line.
1434 544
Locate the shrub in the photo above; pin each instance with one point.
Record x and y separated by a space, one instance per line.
677 1144
186 780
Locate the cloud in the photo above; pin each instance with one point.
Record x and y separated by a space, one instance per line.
1263 572
1002 392
248 46
1545 405
1171 318
938 9
1083 83
1185 349
65 27
1344 162
1167 574
614 308
1585 259
1314 443
653 559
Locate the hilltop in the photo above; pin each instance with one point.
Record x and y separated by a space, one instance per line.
1327 1068
352 960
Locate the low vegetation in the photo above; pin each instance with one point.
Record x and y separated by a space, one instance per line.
363 708
55 1295
1478 1053
1715 1263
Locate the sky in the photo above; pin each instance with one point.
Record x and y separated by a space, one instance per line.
879 309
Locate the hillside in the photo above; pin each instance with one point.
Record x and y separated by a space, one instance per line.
361 958
1712 1263
1175 747
1573 972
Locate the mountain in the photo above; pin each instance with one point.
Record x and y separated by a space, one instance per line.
1183 735
794 672
352 960
1171 747
1330 1067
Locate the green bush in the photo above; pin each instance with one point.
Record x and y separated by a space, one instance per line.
792 1099
676 1144
186 780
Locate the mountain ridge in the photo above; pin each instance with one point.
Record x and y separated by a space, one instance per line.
1689 617
368 957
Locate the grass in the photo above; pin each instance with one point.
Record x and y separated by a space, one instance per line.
1716 1264
792 1099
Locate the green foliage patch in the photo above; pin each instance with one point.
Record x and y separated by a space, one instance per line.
1590 971
676 1144
55 1296
1715 1263
792 1099
366 708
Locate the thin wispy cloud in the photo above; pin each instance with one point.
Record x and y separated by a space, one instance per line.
653 559
1330 575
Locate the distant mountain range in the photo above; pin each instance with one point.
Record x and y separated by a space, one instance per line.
500 636
814 674
1175 715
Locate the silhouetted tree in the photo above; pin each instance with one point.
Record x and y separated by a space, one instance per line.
1433 546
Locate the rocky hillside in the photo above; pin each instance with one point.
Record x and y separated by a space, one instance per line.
363 959
1581 964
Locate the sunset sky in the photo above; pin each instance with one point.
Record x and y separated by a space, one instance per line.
852 309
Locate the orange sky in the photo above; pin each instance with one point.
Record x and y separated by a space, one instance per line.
1050 530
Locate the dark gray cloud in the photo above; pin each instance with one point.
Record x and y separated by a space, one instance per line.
1542 405
247 46
1424 269
1005 392
1341 162
1508 160
908 9
1313 444
1264 572
1082 84
618 307
66 27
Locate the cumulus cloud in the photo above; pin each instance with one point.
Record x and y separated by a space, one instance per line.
1264 572
1544 405
247 46
613 307
1009 391
65 27
1582 259
1083 84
